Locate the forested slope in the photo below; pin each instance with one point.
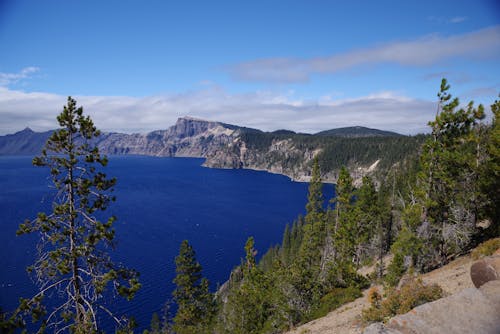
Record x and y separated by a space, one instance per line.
429 208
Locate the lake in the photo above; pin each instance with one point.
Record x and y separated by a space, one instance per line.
160 202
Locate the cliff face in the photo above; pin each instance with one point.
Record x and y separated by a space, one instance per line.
187 138
280 157
223 146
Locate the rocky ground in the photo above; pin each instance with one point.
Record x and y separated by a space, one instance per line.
453 278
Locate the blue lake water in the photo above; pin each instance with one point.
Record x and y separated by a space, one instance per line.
160 202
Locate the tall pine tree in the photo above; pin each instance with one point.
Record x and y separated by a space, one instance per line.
306 269
72 261
195 303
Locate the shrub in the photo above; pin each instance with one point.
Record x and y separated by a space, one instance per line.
374 297
395 270
334 299
401 301
486 248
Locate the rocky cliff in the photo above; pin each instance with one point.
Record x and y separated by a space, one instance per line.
189 137
229 146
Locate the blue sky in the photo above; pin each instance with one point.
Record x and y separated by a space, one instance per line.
136 66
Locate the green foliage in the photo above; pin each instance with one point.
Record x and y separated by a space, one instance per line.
71 259
407 246
332 300
155 324
490 173
367 218
196 306
451 160
486 248
250 254
345 219
411 295
9 324
315 200
255 304
305 269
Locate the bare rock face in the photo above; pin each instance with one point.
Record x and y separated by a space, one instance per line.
190 127
469 311
189 137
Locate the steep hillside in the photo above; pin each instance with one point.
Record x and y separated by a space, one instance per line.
453 278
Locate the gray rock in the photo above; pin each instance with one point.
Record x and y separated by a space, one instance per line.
485 270
469 311
379 328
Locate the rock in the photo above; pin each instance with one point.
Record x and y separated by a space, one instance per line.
379 328
406 279
485 270
469 311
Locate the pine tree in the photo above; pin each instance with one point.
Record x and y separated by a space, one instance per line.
367 214
314 230
72 261
451 163
155 324
195 303
490 174
286 245
306 269
345 219
315 200
249 304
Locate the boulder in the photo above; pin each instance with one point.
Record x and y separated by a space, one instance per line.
485 270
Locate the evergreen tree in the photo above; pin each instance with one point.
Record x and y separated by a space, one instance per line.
490 174
345 220
451 163
286 245
155 324
249 305
194 301
314 230
296 237
306 268
367 214
315 200
72 261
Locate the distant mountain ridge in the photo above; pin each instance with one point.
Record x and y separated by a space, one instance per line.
230 146
356 132
25 142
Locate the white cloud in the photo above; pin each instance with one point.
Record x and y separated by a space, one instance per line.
7 79
458 19
262 110
447 20
425 51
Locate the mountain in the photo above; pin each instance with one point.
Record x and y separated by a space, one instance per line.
25 142
189 137
356 132
229 146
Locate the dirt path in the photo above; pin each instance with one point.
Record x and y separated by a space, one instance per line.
452 278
